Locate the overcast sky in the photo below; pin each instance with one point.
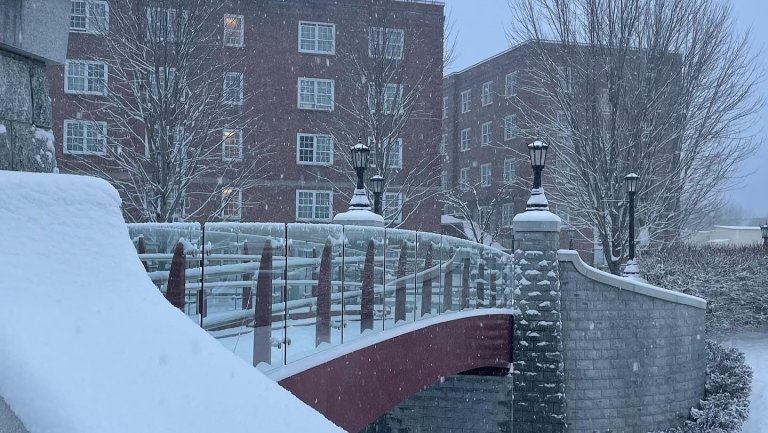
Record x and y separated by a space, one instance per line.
481 26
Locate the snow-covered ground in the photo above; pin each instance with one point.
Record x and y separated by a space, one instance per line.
89 345
755 348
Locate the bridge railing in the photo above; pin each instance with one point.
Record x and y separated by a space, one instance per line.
276 293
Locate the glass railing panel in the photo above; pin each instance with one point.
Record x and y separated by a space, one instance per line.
400 290
429 275
461 272
244 290
314 290
364 309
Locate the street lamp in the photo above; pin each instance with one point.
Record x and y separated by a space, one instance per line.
360 162
538 154
631 268
764 231
377 186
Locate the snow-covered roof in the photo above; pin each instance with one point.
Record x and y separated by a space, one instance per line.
89 345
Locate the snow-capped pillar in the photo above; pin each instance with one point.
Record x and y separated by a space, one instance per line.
539 381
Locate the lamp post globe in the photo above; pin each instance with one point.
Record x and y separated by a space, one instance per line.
538 154
631 182
377 186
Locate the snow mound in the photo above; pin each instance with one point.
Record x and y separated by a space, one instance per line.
88 344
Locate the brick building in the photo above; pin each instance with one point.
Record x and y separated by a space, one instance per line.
292 81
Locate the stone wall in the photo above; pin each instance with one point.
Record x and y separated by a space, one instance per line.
26 139
457 404
634 354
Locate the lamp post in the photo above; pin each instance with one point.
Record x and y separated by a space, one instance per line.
377 186
360 162
764 232
631 268
538 154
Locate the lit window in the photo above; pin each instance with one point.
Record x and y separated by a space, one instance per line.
507 214
466 97
465 139
509 171
89 16
485 175
486 97
386 43
231 203
510 127
510 84
313 205
314 149
233 30
233 88
464 178
85 137
317 38
393 207
232 145
315 94
85 77
485 133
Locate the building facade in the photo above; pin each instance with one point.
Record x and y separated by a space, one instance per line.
290 78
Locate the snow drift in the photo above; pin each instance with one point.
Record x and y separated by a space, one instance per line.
88 344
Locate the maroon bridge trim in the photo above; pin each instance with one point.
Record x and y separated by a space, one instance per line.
355 389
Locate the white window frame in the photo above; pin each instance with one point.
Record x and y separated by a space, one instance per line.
228 203
391 93
464 178
564 78
87 78
507 214
510 84
398 162
486 96
227 100
85 124
466 101
315 151
466 137
316 37
92 24
486 172
390 215
236 35
226 134
170 17
486 133
382 37
510 127
314 104
314 205
445 107
443 149
510 171
604 102
444 180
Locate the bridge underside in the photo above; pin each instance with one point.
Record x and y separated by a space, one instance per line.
356 388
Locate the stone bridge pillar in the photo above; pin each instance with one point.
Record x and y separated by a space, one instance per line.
539 382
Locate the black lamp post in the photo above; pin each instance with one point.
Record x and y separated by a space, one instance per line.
631 181
360 162
538 154
377 186
764 232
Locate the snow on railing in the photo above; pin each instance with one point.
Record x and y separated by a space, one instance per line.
321 284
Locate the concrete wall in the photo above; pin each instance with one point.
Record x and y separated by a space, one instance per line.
35 28
457 404
634 354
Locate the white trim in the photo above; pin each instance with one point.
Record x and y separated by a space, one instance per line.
225 200
314 149
468 141
85 92
316 51
89 18
85 123
314 205
488 95
486 130
486 182
224 86
314 105
468 94
383 40
239 133
242 31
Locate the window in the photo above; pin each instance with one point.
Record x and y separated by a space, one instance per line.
645 133
232 145
509 171
85 77
393 207
233 88
313 205
510 84
89 16
231 203
317 38
484 215
395 153
507 214
165 24
163 82
485 175
466 97
486 97
465 139
444 180
464 178
314 149
444 145
85 137
315 94
445 107
485 133
605 103
563 127
386 43
564 78
385 98
233 30
510 127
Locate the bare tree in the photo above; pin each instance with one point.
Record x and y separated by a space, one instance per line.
176 109
662 88
478 208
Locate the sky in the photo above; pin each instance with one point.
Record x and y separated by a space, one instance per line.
481 27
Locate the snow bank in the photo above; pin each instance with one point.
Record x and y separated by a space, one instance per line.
88 344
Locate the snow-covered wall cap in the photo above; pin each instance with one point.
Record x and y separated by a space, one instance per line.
628 284
359 217
536 221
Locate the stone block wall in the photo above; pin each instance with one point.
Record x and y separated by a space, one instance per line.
457 404
26 139
634 354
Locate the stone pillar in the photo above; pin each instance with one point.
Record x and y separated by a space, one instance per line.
539 382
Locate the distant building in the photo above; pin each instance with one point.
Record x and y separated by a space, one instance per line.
731 236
